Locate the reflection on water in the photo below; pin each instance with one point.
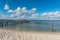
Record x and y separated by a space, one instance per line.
42 25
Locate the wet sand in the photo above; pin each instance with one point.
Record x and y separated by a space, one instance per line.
8 34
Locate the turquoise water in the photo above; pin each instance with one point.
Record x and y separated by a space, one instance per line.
41 25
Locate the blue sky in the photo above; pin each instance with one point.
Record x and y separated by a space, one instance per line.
44 7
41 5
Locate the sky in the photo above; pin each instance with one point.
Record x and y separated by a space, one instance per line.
30 9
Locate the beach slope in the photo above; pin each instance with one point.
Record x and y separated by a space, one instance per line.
6 34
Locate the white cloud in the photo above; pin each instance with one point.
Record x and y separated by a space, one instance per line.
44 14
18 10
4 16
24 9
51 15
10 11
33 11
23 13
35 16
6 7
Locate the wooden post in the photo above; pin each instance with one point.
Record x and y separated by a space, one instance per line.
52 28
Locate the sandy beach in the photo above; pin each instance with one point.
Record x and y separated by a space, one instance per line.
8 34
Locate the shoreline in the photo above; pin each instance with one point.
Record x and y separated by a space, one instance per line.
11 34
33 31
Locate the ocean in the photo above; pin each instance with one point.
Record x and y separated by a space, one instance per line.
37 25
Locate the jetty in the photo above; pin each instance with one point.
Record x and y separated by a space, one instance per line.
12 22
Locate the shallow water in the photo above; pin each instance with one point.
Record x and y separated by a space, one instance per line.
41 25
